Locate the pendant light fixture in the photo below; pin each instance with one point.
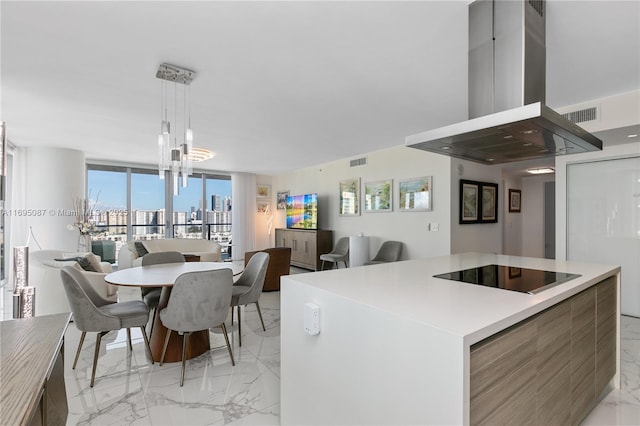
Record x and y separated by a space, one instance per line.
175 140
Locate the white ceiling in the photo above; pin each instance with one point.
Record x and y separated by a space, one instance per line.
280 85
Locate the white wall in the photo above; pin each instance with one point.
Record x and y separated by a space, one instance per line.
395 163
533 215
482 237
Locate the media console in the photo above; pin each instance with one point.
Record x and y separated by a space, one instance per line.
306 245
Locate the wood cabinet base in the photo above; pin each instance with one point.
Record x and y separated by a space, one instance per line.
550 368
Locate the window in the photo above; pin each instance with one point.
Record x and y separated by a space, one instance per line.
188 210
107 188
147 205
131 204
218 212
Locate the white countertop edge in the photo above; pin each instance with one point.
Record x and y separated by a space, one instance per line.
388 287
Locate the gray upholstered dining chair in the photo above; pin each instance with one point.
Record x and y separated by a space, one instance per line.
151 295
248 288
93 313
389 251
340 253
199 301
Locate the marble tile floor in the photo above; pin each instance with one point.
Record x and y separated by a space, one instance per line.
130 391
622 406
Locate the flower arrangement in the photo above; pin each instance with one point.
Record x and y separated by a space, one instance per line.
83 208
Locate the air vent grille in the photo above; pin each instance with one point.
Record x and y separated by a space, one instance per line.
538 5
582 115
358 162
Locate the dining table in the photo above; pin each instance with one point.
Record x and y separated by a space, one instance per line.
164 275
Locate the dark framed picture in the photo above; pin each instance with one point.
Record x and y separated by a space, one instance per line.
478 202
468 201
515 272
489 203
515 197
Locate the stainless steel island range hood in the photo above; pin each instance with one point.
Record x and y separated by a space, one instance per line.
508 120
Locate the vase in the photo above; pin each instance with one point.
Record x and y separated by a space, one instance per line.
84 243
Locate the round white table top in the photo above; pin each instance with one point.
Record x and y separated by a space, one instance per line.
164 274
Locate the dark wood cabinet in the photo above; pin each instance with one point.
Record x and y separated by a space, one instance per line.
306 245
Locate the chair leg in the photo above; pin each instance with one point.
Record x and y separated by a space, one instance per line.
129 339
321 268
232 315
153 320
260 315
226 338
239 328
75 361
95 356
146 342
185 337
164 347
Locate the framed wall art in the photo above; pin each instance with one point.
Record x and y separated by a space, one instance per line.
377 196
263 191
263 207
469 201
282 199
415 194
515 196
478 202
350 197
489 203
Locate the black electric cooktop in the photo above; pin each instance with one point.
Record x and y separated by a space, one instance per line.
510 278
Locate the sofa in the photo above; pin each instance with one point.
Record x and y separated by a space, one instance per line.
44 275
279 265
131 254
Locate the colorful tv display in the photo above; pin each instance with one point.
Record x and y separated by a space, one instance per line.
302 211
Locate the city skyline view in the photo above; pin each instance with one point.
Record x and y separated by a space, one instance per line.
108 190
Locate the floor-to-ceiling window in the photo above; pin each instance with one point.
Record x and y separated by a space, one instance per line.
217 217
188 209
131 203
147 205
107 190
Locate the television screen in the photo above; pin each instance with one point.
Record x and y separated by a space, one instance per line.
302 211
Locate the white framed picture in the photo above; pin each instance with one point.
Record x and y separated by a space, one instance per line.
415 194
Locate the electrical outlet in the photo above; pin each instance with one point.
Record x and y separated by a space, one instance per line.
435 227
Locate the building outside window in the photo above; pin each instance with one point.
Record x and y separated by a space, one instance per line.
130 203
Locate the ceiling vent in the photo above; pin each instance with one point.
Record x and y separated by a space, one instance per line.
582 115
358 162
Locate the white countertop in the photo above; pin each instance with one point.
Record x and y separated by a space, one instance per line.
472 312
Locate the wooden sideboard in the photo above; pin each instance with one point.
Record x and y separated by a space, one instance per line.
32 370
306 245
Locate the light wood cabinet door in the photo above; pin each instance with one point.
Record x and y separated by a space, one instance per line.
503 376
583 354
565 356
553 378
606 330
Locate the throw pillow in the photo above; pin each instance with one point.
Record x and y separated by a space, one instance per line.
85 263
141 250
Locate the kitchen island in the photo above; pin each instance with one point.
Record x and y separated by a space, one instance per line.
398 346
